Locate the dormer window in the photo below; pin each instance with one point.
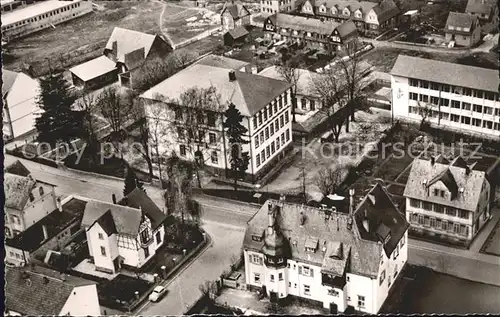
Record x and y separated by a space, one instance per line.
346 12
40 190
32 198
311 245
322 9
357 14
467 29
451 27
439 193
334 10
256 238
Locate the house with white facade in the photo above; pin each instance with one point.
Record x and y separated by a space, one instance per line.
37 291
447 200
450 96
264 103
19 95
234 14
124 234
27 200
274 6
329 256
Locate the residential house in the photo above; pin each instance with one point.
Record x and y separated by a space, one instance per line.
94 74
20 108
26 200
233 15
263 102
41 15
336 258
463 28
126 234
131 51
459 97
327 35
275 6
485 10
447 200
53 232
235 36
37 291
371 18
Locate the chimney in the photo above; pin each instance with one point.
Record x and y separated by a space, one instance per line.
270 217
63 277
467 170
45 233
232 75
113 197
433 160
58 204
351 201
366 224
254 69
115 47
45 280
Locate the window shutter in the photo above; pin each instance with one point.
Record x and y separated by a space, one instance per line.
300 269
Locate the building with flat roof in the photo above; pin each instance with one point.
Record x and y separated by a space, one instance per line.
95 73
41 15
449 96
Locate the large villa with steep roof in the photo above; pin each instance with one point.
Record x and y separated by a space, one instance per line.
340 259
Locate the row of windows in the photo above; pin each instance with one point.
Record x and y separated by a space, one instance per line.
269 131
199 135
455 89
268 112
312 105
41 17
487 124
440 224
464 214
201 118
10 234
454 104
271 148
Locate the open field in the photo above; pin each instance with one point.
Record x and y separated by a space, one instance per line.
183 24
85 36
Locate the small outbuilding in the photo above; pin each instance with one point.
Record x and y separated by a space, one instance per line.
235 36
95 73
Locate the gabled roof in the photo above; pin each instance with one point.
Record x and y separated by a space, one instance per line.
93 68
385 10
140 200
238 32
222 62
129 41
461 20
237 10
453 176
17 168
34 293
446 73
305 82
17 190
340 249
126 220
346 29
305 24
249 92
480 6
8 79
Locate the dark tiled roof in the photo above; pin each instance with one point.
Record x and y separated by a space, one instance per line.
447 73
480 6
386 10
32 238
462 20
107 223
17 190
35 293
339 248
347 29
238 32
306 24
249 92
222 62
139 199
126 220
17 168
8 79
472 183
237 10
448 180
129 41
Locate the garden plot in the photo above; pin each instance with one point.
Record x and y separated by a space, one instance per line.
189 23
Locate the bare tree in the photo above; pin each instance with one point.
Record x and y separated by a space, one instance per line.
328 179
329 88
157 120
88 106
351 70
424 110
115 107
290 72
303 178
141 133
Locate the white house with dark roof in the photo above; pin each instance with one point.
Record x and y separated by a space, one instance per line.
274 6
328 35
27 200
37 291
131 50
370 18
19 95
263 102
448 200
485 10
455 97
334 257
234 14
124 234
462 28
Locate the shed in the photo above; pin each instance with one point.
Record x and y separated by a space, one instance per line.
95 73
234 36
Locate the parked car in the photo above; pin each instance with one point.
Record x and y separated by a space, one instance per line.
157 293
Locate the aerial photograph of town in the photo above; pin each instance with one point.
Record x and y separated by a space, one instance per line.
254 157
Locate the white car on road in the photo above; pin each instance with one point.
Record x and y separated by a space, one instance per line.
157 293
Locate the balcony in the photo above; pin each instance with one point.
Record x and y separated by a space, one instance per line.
333 281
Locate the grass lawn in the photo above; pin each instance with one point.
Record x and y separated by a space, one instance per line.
87 34
175 24
393 166
492 244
